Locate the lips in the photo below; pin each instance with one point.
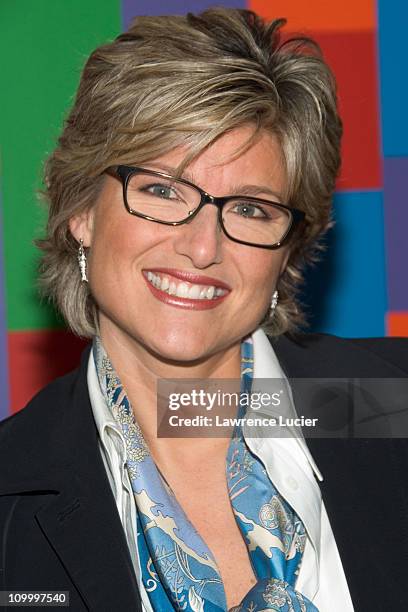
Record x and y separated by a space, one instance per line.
190 277
185 289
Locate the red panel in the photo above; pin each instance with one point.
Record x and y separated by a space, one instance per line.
36 358
352 56
397 324
353 59
319 14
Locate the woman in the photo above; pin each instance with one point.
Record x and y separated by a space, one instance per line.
190 185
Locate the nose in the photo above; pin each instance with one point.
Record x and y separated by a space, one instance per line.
201 238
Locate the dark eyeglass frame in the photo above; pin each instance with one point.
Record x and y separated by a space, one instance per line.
124 174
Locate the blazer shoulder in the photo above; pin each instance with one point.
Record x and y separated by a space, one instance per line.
40 437
44 407
394 350
336 356
49 403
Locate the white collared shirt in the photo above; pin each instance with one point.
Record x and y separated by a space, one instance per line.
290 467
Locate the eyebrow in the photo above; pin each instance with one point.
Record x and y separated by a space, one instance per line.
241 189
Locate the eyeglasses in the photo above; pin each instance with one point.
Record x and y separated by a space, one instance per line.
161 198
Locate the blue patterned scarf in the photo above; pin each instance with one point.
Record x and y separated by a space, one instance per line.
179 571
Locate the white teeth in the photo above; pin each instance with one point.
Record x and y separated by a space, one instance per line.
172 288
165 284
210 292
194 292
184 290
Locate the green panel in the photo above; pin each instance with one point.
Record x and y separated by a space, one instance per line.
43 46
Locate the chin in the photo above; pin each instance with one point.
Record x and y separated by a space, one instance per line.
180 351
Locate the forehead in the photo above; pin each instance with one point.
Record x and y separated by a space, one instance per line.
222 162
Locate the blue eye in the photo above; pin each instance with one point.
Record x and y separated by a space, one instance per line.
249 210
161 191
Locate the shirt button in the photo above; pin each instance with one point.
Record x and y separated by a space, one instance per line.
292 483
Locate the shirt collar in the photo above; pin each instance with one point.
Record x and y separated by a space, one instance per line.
288 460
104 420
266 365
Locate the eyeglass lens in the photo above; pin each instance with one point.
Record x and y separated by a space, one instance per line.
172 201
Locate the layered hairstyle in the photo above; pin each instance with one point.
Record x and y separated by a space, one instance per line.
186 80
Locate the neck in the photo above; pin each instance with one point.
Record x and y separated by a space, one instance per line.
139 370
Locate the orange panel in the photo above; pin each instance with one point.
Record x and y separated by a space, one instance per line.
397 324
323 15
36 358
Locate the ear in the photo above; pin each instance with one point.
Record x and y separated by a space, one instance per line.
81 226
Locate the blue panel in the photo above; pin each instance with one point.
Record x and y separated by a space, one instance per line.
392 26
347 291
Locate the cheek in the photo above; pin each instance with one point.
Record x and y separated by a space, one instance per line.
117 239
108 253
262 272
110 258
119 248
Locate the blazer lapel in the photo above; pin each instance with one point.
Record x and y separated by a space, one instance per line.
364 479
83 527
79 516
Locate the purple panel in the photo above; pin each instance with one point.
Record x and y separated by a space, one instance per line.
396 224
4 390
131 8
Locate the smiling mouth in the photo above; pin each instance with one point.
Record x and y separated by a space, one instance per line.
184 289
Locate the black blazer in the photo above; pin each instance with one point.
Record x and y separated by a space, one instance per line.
60 529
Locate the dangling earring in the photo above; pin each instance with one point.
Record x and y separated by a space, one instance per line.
82 261
274 302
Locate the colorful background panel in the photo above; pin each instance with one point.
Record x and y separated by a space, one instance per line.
360 289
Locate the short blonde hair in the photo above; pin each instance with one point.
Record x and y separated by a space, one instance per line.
177 80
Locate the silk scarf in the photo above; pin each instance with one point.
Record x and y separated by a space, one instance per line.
178 570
